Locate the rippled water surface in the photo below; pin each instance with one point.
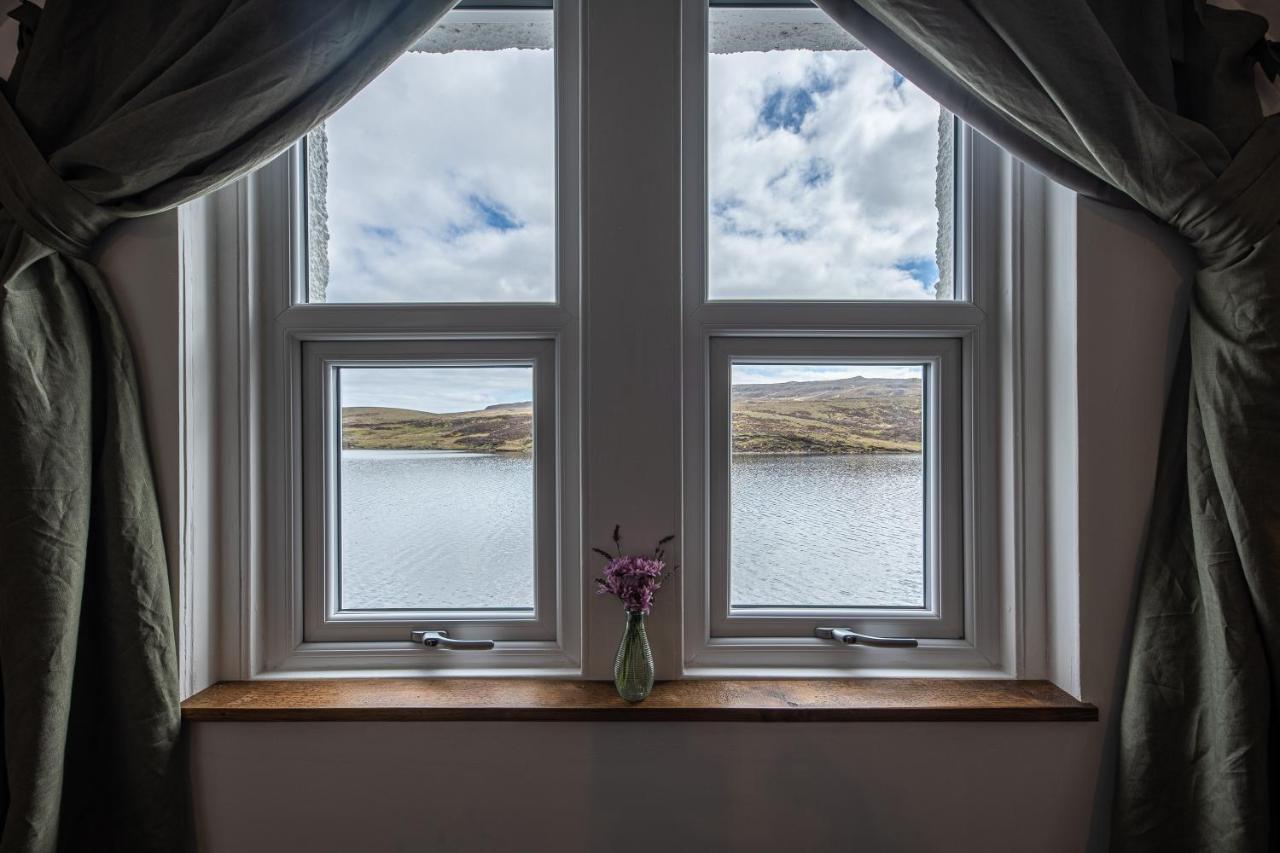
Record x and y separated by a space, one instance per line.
442 529
437 529
827 530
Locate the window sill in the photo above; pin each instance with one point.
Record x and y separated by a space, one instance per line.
844 700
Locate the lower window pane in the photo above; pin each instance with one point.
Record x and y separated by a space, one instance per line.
827 485
436 486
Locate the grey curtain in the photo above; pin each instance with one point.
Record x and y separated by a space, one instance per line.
1156 103
120 109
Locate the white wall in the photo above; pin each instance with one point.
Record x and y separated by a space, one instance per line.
669 787
140 260
1133 283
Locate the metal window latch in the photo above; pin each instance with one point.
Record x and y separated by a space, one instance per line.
849 638
441 640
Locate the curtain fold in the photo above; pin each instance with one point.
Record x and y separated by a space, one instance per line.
119 110
1157 101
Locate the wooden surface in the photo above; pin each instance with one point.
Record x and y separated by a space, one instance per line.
491 699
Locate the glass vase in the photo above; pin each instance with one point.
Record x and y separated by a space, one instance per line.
633 667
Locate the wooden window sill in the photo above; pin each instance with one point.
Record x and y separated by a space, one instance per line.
491 699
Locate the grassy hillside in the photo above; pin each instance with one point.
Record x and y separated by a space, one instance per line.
506 428
830 417
836 416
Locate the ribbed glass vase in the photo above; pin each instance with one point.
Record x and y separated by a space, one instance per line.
633 667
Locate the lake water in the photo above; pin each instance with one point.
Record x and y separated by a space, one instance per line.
439 529
827 530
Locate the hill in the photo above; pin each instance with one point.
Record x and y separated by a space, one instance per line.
839 416
856 415
853 388
504 428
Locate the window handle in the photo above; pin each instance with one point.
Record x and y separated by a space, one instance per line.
849 638
441 640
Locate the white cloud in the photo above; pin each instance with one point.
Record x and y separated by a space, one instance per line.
441 181
434 389
822 176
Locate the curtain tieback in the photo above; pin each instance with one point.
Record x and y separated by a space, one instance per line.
1242 206
39 201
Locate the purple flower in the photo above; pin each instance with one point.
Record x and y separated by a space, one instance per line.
634 580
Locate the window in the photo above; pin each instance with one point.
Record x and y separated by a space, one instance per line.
434 501
419 369
425 484
833 490
837 353
530 283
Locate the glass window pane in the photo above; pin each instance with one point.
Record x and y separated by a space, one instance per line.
436 486
436 183
827 485
830 174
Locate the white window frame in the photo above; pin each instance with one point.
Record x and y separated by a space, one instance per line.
320 428
942 610
965 633
256 229
298 630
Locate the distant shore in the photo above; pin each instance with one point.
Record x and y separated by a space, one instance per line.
752 453
870 452
856 416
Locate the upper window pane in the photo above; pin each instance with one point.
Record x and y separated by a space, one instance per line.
435 488
830 174
436 183
827 486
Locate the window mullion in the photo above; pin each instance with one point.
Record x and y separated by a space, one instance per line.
631 331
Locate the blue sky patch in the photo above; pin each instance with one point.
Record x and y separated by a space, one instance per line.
722 214
381 232
785 109
820 82
816 172
723 206
493 214
486 215
811 173
922 268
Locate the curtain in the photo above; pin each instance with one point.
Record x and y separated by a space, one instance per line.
119 110
1156 103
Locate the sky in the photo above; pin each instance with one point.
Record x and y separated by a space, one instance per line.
441 181
822 173
768 374
441 186
434 389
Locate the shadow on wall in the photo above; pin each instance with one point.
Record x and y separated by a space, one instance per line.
1133 285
